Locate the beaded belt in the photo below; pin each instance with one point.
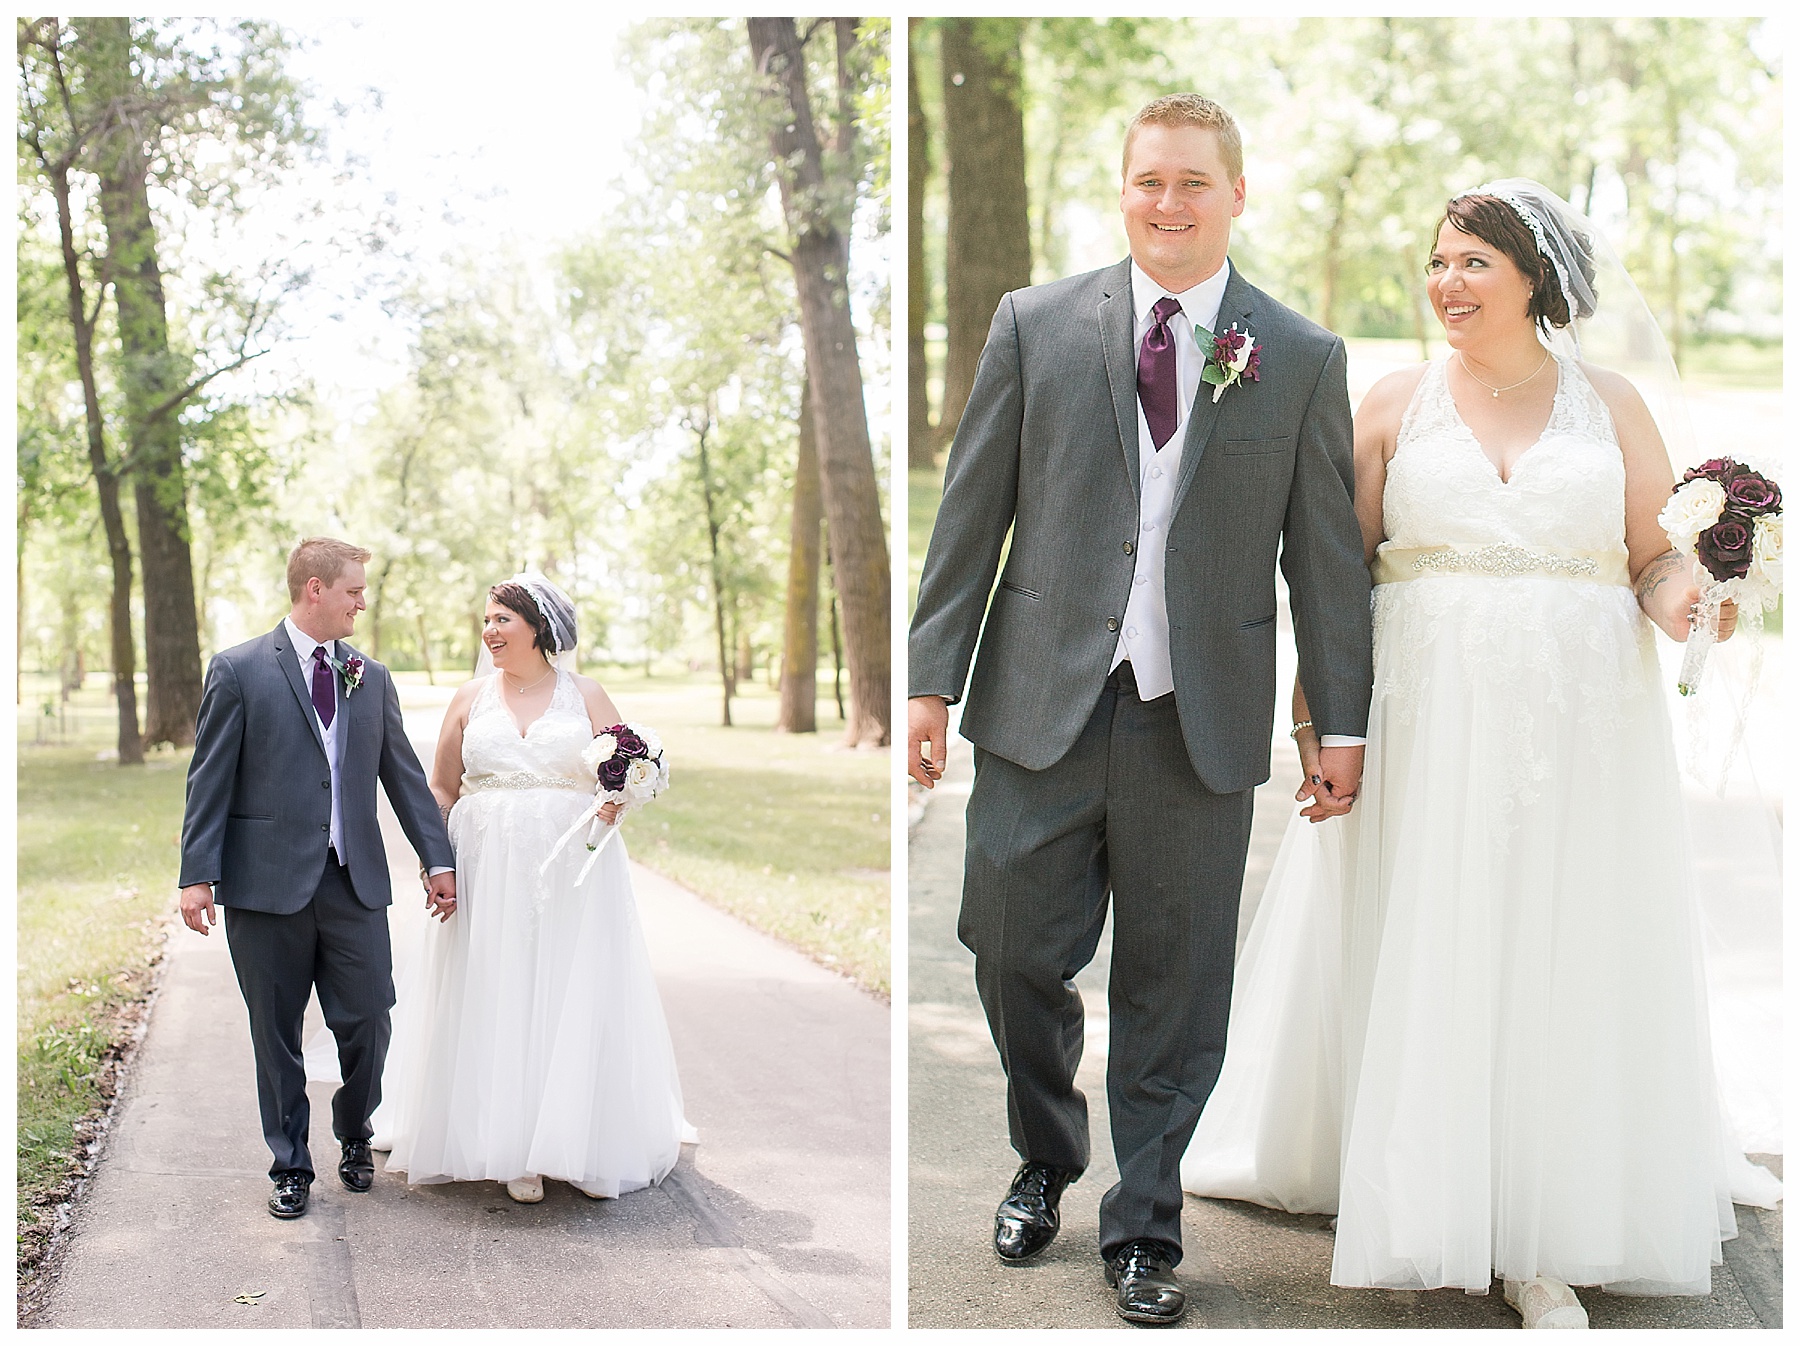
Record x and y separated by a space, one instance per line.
1502 559
521 780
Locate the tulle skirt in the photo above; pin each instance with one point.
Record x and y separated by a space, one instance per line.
528 1034
1471 1018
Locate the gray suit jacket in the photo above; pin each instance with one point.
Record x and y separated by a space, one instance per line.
258 817
1048 447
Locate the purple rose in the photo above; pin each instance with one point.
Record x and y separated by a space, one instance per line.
1724 548
630 745
1720 470
612 773
1752 493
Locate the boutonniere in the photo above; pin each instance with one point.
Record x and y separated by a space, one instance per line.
350 670
1231 357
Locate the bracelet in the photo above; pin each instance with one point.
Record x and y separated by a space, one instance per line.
1294 733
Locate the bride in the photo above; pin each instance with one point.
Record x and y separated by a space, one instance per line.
1470 1017
529 1041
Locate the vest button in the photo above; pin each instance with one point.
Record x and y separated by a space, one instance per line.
1112 623
1130 547
324 827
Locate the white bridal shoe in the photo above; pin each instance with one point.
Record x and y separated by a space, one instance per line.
530 1188
1542 1302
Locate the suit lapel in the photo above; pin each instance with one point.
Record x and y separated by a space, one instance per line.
1235 306
340 724
290 667
1116 326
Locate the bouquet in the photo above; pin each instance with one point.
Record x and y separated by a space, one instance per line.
1726 518
630 769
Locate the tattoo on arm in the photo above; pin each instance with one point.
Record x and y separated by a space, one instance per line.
1653 575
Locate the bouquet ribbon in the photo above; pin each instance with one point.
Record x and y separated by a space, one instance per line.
587 820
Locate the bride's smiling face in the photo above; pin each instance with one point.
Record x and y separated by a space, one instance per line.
1476 290
509 639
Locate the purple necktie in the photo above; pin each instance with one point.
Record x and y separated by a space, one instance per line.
324 694
1156 373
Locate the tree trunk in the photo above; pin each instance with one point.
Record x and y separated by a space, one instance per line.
153 382
988 248
726 678
920 448
798 713
106 481
818 212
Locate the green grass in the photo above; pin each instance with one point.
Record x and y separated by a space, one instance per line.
1733 364
98 851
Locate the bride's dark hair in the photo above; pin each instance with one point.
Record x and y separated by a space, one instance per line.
1497 224
517 598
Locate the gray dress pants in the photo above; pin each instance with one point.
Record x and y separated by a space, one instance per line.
1121 815
340 946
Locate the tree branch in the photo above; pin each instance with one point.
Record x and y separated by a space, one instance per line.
173 401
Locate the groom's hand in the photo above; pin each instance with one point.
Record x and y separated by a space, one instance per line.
440 894
1333 776
927 721
197 907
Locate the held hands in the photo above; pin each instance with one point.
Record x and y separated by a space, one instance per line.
440 894
197 907
927 722
1332 776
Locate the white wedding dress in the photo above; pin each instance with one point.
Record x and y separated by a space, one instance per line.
1470 1018
528 1034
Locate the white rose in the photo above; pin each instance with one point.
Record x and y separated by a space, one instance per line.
1765 557
1693 509
640 780
599 750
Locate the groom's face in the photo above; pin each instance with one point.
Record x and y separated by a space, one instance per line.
1179 201
333 615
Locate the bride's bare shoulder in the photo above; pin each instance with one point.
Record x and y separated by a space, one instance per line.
1386 402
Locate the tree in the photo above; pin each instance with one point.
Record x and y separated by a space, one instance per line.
800 635
988 251
818 200
920 433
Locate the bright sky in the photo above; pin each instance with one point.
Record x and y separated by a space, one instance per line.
466 149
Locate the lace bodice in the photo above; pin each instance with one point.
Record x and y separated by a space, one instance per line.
1566 493
546 756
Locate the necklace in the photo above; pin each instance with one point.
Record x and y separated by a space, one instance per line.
527 686
1509 387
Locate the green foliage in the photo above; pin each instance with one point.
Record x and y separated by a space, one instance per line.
1357 130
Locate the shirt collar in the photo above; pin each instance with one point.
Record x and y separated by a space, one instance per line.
1200 303
304 645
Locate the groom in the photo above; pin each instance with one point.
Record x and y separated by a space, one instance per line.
295 728
1121 705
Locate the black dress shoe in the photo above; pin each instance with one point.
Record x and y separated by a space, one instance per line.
1027 1219
288 1201
356 1170
1144 1275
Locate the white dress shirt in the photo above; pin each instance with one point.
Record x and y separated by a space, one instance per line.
1144 630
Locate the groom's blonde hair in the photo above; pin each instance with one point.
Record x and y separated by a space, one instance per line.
323 557
1189 109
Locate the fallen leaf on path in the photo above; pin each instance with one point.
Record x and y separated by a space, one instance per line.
250 1297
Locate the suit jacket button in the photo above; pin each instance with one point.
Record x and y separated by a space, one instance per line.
324 827
1112 623
326 784
1130 548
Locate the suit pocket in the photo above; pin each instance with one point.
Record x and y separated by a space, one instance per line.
251 817
1021 590
1279 444
1260 621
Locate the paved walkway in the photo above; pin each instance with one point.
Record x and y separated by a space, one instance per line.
779 1218
1245 1266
